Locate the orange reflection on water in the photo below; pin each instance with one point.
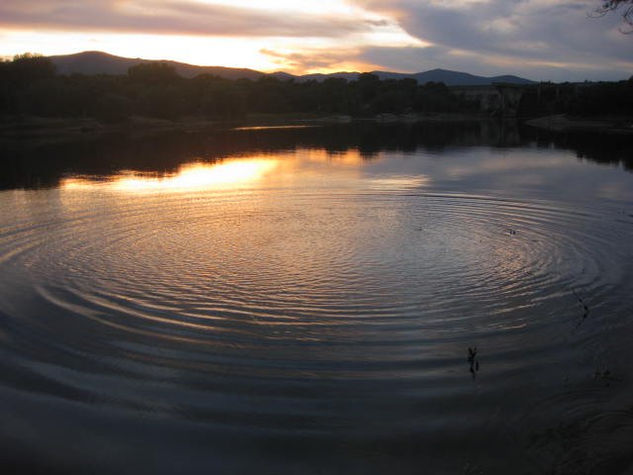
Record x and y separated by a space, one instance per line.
190 177
351 157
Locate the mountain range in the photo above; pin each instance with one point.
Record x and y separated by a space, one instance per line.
97 62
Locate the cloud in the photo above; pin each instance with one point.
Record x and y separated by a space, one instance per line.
540 39
186 17
543 36
315 60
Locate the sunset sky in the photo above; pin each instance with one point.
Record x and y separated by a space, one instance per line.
554 40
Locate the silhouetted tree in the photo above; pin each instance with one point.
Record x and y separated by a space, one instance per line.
29 85
23 79
30 67
157 73
612 5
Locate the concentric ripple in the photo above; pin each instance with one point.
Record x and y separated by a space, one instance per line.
292 309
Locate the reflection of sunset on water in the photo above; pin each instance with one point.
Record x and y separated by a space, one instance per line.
282 169
190 177
351 157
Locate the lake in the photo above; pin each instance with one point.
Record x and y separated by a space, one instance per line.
355 298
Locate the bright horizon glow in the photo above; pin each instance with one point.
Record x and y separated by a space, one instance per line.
266 53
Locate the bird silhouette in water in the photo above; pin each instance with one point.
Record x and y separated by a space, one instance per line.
581 302
473 361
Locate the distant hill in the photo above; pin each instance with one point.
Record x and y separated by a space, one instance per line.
321 77
450 78
96 62
456 78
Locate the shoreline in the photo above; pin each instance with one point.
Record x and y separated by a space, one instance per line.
54 130
57 130
565 123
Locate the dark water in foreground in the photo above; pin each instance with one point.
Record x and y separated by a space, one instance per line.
303 301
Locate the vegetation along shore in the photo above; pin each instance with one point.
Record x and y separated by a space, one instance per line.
36 101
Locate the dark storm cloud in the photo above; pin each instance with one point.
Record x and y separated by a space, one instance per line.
548 37
166 17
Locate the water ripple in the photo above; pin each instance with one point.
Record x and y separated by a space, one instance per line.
364 304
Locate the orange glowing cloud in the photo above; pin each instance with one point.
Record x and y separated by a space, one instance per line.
238 33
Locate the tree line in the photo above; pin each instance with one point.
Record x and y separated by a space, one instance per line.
29 85
579 99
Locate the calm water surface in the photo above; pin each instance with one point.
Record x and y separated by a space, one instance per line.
304 301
